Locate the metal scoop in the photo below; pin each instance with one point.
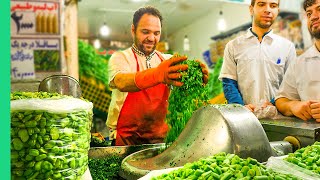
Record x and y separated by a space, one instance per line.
211 129
62 84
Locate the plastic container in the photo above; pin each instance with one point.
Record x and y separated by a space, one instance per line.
50 137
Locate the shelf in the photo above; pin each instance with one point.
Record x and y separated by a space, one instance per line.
283 14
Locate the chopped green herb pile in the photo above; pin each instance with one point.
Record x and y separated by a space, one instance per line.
184 100
106 168
224 166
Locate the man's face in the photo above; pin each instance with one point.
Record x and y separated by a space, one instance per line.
147 33
264 12
313 14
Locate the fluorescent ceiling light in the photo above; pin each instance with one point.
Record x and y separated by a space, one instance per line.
222 25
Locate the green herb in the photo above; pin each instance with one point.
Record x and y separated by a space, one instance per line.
106 168
184 100
97 142
91 64
215 85
47 60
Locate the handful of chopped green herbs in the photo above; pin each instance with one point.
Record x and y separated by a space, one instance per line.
106 168
184 100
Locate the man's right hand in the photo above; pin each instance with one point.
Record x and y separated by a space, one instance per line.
251 107
302 110
168 72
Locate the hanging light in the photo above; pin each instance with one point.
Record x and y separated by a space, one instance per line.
104 30
222 25
166 45
97 44
186 44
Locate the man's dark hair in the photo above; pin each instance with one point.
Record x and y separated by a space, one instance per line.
145 10
308 3
254 1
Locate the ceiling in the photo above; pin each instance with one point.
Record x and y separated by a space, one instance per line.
117 14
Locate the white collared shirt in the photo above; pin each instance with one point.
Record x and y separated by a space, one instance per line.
302 80
257 67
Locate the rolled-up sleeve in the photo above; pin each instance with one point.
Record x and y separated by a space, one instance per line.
117 64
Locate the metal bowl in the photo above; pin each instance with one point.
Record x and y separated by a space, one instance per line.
211 129
62 84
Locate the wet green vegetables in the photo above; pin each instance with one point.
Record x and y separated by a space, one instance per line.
223 166
184 100
307 157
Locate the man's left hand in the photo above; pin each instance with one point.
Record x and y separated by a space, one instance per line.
205 72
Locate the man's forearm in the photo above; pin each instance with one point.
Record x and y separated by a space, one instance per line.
124 82
284 106
231 91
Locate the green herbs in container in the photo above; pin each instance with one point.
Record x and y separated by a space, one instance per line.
50 136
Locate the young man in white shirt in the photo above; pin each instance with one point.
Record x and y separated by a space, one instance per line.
299 94
255 63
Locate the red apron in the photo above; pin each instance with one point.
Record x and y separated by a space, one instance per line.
142 117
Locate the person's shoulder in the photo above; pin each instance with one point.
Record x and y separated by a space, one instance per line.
283 40
309 53
237 40
164 55
121 52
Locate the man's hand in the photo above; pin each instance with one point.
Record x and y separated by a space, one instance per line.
168 72
302 110
205 72
315 110
251 107
267 103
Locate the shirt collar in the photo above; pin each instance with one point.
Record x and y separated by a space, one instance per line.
250 34
313 52
136 50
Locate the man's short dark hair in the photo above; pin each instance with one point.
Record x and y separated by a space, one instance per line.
308 3
254 1
145 10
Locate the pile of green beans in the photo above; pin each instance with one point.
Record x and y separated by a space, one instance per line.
46 145
223 166
307 157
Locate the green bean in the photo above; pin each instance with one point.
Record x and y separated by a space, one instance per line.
44 144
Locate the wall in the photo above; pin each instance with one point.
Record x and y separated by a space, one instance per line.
201 31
